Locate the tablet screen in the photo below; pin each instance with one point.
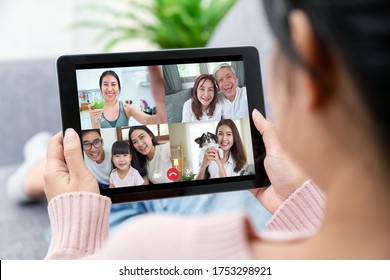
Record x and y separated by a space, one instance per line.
205 142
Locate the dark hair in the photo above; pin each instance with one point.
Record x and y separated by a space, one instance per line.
91 130
237 150
119 148
195 104
139 160
112 73
358 31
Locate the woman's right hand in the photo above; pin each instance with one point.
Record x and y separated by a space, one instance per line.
205 162
213 155
207 158
284 174
65 168
94 114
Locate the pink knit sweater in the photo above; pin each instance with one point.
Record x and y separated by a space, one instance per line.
80 225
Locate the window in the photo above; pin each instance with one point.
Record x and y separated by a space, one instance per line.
189 72
212 65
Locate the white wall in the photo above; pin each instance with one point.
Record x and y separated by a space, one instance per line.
41 29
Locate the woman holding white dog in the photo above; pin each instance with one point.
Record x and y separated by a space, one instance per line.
203 105
234 156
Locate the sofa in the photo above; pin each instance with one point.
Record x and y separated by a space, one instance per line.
175 101
30 105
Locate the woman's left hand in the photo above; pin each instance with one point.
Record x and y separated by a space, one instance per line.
65 168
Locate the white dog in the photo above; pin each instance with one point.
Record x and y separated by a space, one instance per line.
206 141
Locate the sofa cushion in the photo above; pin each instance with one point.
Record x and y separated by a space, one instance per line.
29 104
23 228
175 103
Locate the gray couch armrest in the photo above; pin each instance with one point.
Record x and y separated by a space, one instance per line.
175 105
29 104
23 228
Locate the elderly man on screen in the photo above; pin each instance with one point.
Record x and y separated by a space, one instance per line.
233 99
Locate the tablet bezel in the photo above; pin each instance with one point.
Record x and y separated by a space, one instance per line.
70 117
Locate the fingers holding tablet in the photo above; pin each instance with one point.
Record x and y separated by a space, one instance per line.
219 87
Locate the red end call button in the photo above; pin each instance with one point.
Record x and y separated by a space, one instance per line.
172 174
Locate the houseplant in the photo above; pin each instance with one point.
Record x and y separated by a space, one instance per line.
165 23
189 176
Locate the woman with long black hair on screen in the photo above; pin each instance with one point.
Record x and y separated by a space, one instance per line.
116 113
150 157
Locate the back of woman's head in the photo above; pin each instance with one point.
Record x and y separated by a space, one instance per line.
358 31
196 105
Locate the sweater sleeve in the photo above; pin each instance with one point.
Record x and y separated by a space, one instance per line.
301 212
79 223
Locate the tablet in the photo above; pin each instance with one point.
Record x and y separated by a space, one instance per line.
166 123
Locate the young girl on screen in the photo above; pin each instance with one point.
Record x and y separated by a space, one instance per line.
123 174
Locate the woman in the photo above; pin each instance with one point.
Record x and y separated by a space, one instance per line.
328 86
150 158
203 105
116 113
234 156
